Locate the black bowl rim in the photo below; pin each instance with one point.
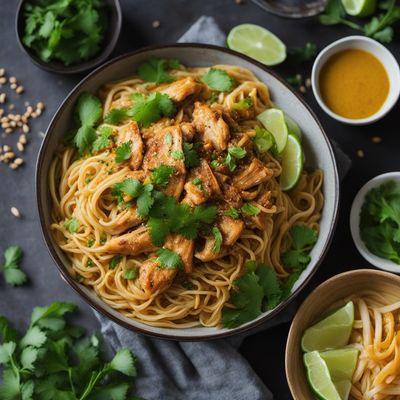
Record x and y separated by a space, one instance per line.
76 68
296 15
99 307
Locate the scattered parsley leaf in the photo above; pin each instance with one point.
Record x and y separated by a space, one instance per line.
303 239
116 116
160 176
299 55
147 110
216 248
263 140
169 259
295 80
145 200
243 104
84 138
124 362
103 139
90 243
214 164
218 79
115 261
270 283
250 209
168 138
191 156
233 213
131 273
72 225
154 69
187 285
177 155
13 275
123 152
234 153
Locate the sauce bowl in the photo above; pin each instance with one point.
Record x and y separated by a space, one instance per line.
381 53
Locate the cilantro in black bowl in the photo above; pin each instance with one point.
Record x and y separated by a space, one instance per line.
68 36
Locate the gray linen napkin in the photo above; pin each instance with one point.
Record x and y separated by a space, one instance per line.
197 370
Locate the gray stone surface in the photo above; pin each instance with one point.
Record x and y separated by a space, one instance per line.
176 16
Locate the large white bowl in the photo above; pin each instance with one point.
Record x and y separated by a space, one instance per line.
358 202
316 146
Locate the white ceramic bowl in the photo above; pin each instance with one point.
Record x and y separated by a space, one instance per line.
358 202
315 143
382 53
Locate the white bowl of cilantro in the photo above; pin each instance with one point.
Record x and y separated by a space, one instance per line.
375 221
68 38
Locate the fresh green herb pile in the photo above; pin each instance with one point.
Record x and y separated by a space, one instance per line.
69 31
260 289
54 360
380 27
380 221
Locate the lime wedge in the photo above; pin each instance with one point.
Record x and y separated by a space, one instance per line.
341 363
330 333
274 121
343 388
359 8
292 163
319 378
292 126
258 43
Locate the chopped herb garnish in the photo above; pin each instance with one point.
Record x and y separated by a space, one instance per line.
233 213
218 79
115 261
103 139
214 164
116 116
263 140
216 248
72 225
300 55
90 263
190 154
177 155
131 273
123 152
169 259
160 176
90 242
187 285
243 104
234 153
154 69
13 274
168 138
250 209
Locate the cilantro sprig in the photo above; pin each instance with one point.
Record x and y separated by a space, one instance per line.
53 359
123 152
169 259
234 153
379 27
243 104
155 69
218 79
13 275
216 248
161 175
103 139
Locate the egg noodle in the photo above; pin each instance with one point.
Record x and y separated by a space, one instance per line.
91 203
376 333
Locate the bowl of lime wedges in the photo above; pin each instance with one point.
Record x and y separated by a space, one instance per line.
326 336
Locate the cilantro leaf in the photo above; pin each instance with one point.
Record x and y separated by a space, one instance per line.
250 209
169 259
147 110
234 153
177 155
191 156
145 200
300 55
84 138
233 213
154 69
130 186
271 286
10 388
218 79
103 139
124 362
159 229
7 332
72 225
28 357
89 109
303 239
247 299
123 152
263 140
131 273
243 104
160 175
34 337
6 352
115 261
13 275
116 116
216 248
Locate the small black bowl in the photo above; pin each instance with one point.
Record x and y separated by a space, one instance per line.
110 40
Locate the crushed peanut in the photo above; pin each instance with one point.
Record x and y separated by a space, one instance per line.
376 139
360 153
156 24
15 212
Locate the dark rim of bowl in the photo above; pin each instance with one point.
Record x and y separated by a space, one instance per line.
110 40
301 13
99 307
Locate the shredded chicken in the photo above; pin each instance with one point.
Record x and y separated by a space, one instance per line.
184 247
231 229
132 243
180 89
252 175
207 253
188 131
211 125
152 278
166 148
130 132
126 220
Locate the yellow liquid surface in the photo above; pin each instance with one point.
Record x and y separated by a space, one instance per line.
354 84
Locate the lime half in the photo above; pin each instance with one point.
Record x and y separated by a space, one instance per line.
292 163
319 377
274 121
359 8
330 333
292 126
258 43
341 363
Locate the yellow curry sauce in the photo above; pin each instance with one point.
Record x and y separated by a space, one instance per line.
354 84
